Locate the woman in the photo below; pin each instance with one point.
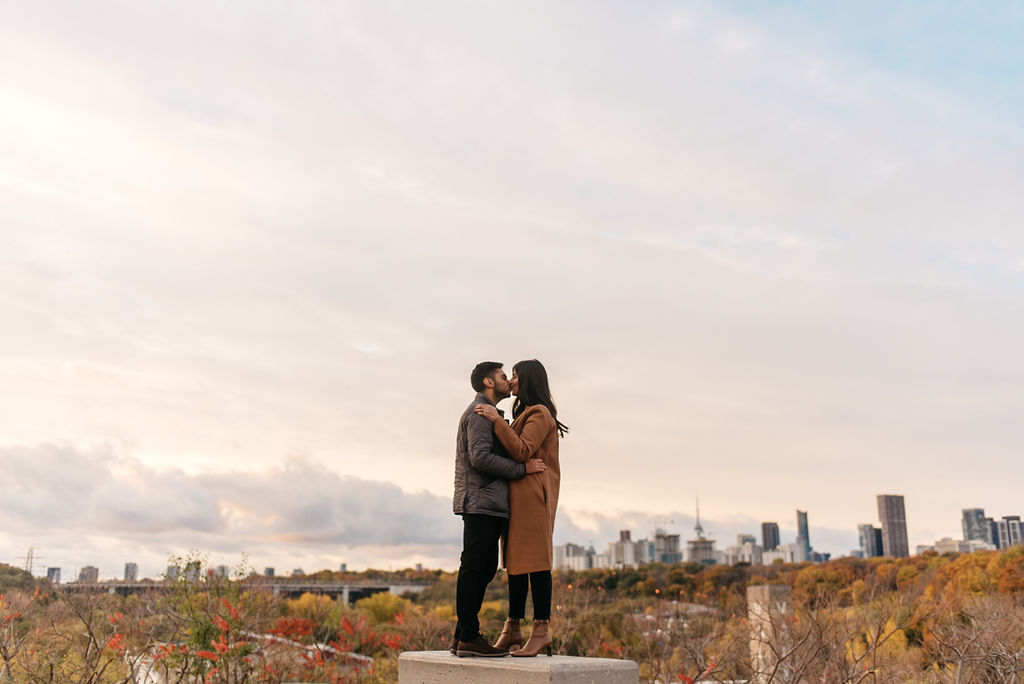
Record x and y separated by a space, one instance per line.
533 499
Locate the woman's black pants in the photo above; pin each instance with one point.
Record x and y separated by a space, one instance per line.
519 585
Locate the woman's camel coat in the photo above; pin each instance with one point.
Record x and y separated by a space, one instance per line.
534 498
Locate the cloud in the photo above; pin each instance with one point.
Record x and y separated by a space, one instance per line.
57 489
299 510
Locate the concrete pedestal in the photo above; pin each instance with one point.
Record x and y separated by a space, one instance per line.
441 667
767 606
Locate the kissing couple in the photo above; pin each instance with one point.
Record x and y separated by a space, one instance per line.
506 490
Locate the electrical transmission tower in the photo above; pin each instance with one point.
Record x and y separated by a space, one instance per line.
30 558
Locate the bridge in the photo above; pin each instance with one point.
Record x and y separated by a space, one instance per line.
349 592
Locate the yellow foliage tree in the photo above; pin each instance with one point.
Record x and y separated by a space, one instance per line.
383 607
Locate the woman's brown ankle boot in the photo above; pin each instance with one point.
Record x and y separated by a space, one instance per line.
511 636
540 640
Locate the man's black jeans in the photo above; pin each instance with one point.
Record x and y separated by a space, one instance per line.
479 562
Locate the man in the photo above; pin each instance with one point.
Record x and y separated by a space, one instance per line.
482 472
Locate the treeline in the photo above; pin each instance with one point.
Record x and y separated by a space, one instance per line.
929 618
980 572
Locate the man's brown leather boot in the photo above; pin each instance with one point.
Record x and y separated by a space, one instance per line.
479 647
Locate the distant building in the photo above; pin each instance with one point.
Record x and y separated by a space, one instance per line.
870 541
419 567
53 575
803 537
625 553
1011 531
745 551
666 547
975 545
89 575
769 535
222 571
192 570
584 560
572 557
558 557
268 572
131 572
973 522
950 545
784 553
893 516
576 557
731 555
644 551
993 531
343 567
298 572
172 573
702 549
978 527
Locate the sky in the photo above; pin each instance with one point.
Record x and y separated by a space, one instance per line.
770 254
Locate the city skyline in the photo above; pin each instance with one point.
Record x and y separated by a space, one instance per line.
1008 530
770 251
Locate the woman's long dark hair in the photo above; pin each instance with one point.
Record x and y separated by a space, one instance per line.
533 390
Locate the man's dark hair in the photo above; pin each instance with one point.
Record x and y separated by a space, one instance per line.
484 369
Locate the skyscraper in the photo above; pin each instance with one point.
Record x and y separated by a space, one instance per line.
893 515
769 536
974 526
803 537
1011 531
991 528
131 572
870 540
